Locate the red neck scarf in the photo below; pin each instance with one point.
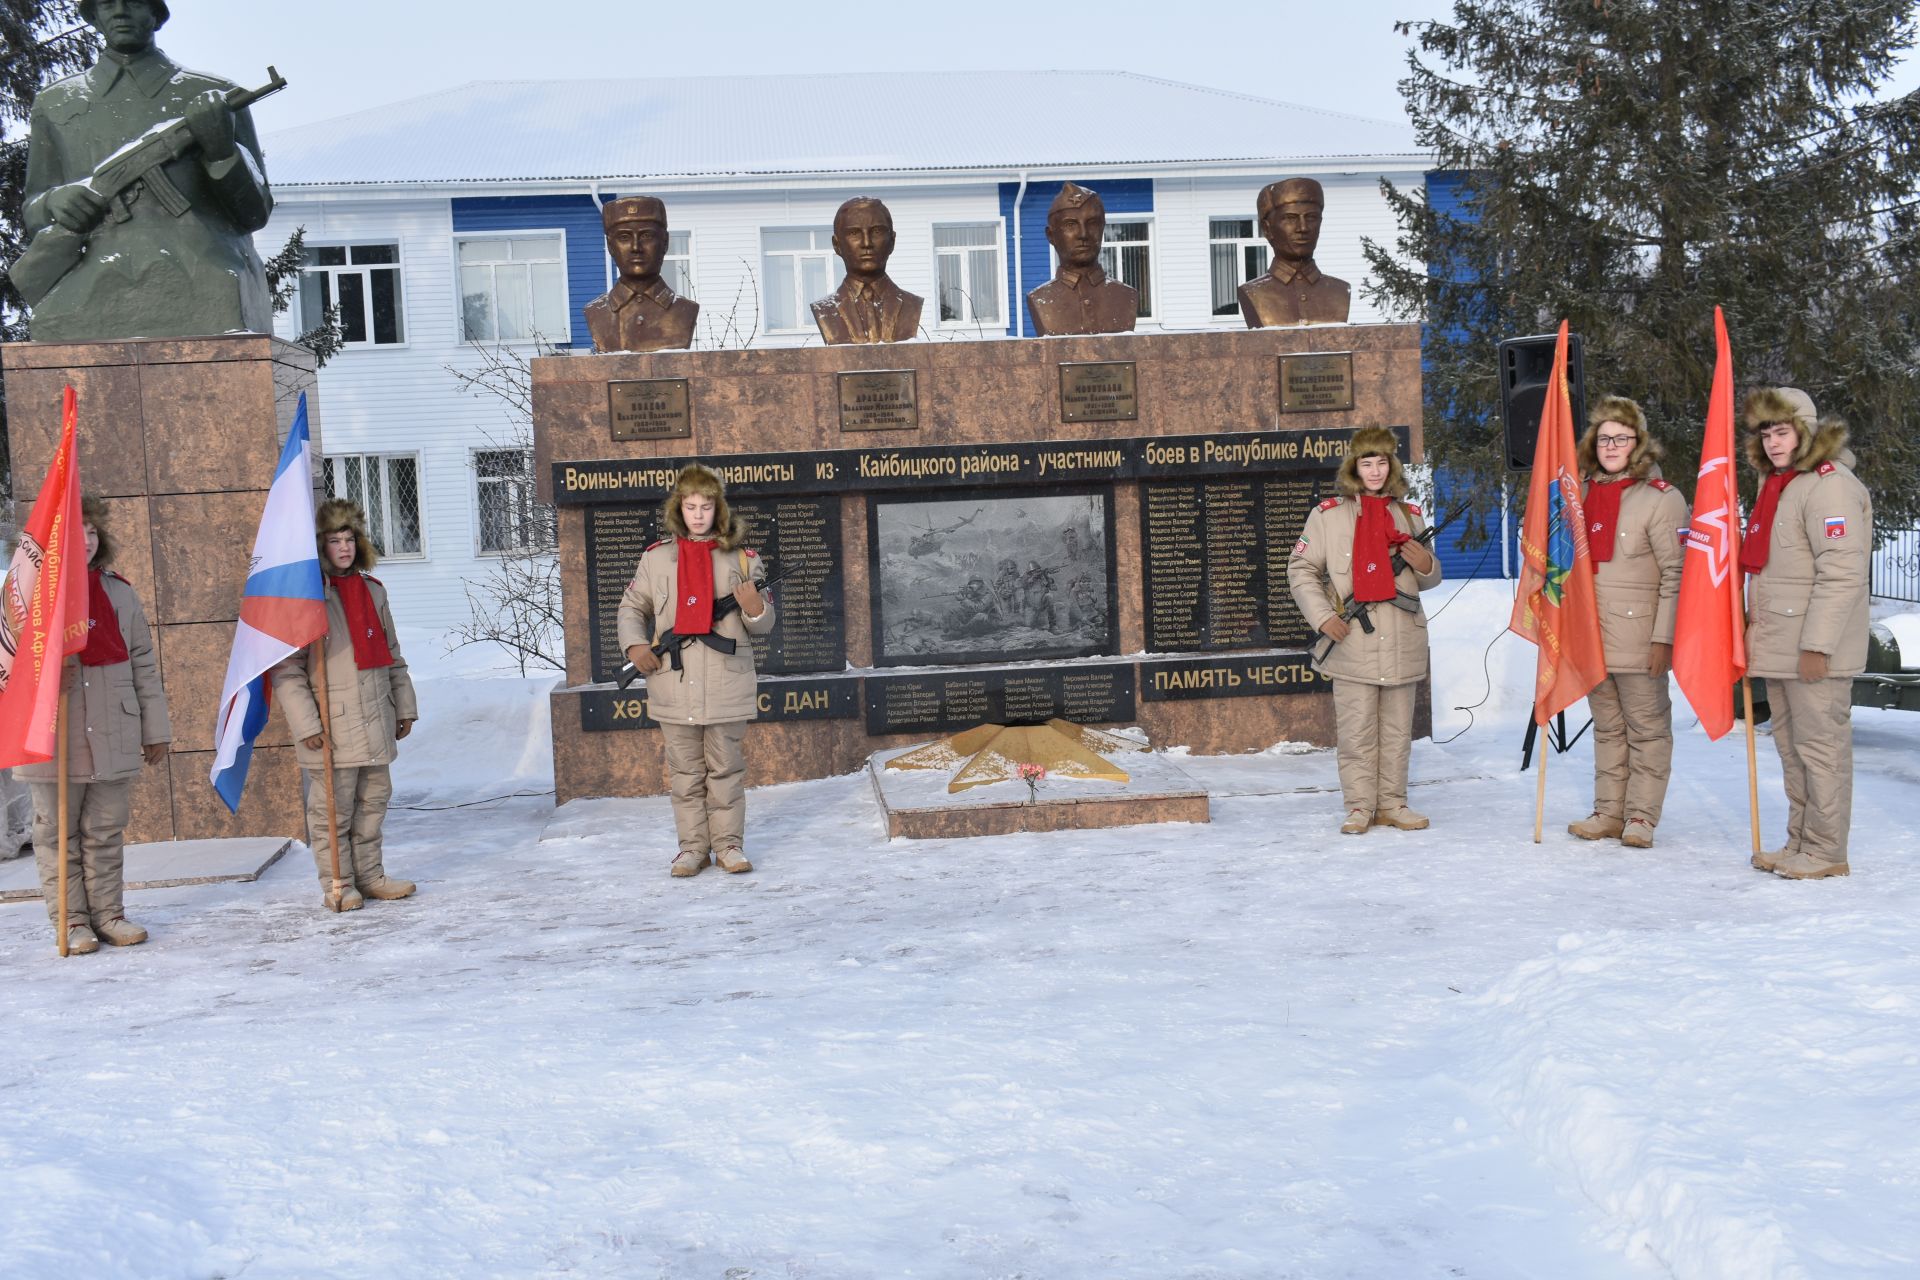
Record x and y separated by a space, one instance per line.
105 644
1759 540
363 623
693 612
1373 552
1603 515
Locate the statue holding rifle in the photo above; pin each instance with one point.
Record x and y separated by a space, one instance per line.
144 187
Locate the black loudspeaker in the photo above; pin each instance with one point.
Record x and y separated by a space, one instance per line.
1525 366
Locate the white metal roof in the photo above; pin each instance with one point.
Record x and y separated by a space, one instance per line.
514 131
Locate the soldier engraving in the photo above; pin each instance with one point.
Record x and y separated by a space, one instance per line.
1080 298
640 313
868 307
1293 290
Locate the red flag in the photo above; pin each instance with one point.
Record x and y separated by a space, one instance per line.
1714 657
43 608
1555 606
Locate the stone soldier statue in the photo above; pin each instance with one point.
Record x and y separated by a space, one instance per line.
868 307
1293 291
167 239
640 313
1080 298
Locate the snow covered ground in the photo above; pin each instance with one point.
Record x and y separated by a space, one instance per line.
1254 1049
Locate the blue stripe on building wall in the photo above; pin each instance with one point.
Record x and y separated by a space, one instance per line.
578 216
1119 195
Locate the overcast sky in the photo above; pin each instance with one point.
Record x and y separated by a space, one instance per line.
348 55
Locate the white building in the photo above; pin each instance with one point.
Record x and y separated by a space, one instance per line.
450 226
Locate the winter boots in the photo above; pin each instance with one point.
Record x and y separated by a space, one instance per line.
1357 823
120 932
1768 859
1596 826
1804 866
1638 834
730 859
346 899
689 862
1402 818
81 941
382 887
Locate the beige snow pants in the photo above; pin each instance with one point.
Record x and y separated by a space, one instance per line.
97 815
707 774
1632 745
1373 725
360 798
1813 731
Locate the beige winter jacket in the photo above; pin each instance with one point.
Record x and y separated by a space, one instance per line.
1320 575
365 706
1813 593
113 711
711 687
1639 589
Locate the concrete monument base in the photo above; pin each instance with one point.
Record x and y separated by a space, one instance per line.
168 864
915 805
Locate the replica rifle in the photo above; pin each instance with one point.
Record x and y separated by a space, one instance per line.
670 642
56 250
1352 611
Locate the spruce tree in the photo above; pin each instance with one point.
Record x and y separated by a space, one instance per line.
1628 164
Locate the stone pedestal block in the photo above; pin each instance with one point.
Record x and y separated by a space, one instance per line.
180 436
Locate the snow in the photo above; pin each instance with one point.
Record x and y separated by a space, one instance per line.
1252 1049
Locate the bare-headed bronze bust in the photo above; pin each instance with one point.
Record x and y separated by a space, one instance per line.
868 306
640 313
1293 291
1080 298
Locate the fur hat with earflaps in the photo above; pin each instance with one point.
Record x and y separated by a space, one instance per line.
1820 441
728 531
1646 450
335 515
93 511
1372 442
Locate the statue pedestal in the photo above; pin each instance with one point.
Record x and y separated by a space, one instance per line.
180 436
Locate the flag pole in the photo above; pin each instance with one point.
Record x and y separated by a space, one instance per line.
1540 786
60 811
1753 765
336 895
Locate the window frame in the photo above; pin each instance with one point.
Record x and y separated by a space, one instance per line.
1233 317
386 490
398 267
566 289
836 272
548 547
999 247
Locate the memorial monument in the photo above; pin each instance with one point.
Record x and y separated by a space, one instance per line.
144 186
640 313
868 307
1293 290
1080 298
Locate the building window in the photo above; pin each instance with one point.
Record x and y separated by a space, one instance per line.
799 267
966 260
387 487
514 289
677 267
1239 254
361 281
511 520
1128 258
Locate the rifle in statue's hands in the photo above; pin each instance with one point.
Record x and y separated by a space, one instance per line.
669 643
1360 611
57 250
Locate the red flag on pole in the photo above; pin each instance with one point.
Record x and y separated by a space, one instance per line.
43 608
1710 616
1555 606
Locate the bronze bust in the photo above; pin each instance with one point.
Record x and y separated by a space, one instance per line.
868 307
1293 291
144 187
1080 298
640 313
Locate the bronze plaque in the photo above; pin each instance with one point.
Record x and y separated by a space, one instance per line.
650 409
1103 391
880 400
1314 384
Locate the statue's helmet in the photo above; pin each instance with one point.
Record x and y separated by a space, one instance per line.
88 8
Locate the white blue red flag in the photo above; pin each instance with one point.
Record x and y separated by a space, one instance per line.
283 609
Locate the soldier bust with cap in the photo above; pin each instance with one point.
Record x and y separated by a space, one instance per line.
640 313
1080 298
1294 290
148 270
868 306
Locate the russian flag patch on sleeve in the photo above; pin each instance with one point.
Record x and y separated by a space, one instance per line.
1836 526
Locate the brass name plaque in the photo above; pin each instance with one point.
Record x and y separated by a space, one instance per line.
650 409
1315 384
880 400
1099 392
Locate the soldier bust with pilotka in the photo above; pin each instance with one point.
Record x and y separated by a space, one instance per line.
1080 299
640 312
144 185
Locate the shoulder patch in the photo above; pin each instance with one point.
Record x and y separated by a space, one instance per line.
1655 482
1329 504
751 553
1300 547
651 545
1825 469
1413 507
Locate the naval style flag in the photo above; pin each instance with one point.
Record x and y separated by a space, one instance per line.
283 609
1714 658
